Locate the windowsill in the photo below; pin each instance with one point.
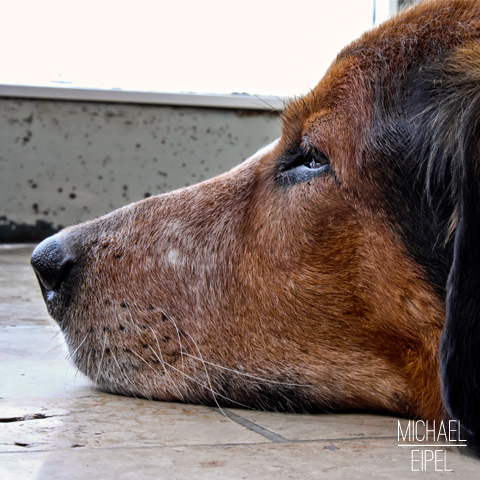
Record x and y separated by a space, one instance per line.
241 101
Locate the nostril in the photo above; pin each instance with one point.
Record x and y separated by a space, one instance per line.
51 263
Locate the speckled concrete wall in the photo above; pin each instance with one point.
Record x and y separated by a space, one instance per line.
66 162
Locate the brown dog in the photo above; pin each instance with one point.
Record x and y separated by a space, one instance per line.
318 274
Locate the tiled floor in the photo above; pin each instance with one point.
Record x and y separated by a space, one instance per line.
54 424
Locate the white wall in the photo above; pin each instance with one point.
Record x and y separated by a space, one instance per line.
65 162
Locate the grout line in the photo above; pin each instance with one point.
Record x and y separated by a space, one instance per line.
273 437
90 448
195 445
346 439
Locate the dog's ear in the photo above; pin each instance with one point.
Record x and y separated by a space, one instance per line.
451 147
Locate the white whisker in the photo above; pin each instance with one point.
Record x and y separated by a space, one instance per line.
124 374
130 315
101 358
70 357
238 372
162 362
207 375
206 387
53 347
179 341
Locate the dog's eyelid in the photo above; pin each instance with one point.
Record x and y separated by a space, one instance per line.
319 159
303 154
302 163
314 158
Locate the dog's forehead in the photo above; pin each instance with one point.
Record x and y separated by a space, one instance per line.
381 60
320 103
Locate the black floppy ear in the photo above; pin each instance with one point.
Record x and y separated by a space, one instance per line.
454 169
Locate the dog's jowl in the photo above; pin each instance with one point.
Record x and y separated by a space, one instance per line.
336 269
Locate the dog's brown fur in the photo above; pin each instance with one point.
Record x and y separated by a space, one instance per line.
250 290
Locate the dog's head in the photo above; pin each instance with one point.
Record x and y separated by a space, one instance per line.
316 275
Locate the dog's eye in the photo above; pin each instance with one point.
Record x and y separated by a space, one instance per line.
300 164
319 160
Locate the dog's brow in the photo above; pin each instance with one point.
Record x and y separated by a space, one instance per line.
297 114
293 116
323 118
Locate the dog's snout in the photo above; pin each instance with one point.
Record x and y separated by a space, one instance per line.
51 263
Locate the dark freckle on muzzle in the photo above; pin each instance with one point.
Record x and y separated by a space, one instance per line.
51 263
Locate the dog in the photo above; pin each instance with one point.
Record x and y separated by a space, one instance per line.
337 269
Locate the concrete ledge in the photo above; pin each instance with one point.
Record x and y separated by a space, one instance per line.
240 100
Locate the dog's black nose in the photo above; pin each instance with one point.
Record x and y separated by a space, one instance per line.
51 263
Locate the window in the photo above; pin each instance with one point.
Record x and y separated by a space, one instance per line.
386 8
210 46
